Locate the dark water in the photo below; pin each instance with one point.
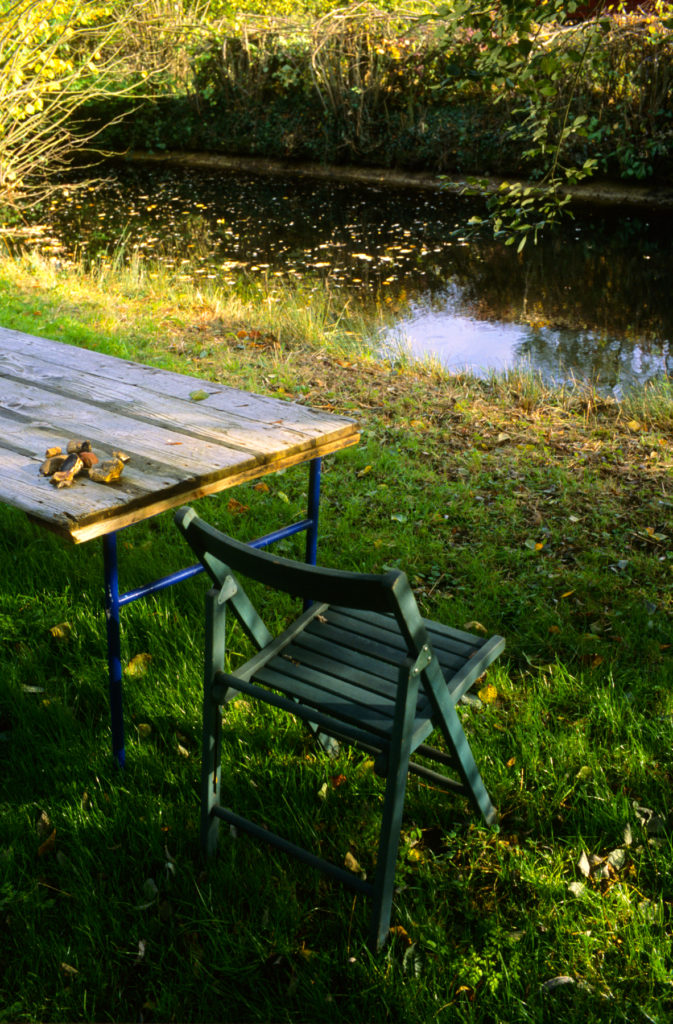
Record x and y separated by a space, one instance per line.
592 302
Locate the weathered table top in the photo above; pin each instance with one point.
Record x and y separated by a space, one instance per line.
181 445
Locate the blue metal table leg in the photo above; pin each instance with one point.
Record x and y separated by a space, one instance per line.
114 646
313 509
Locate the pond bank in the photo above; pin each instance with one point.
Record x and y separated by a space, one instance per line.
597 194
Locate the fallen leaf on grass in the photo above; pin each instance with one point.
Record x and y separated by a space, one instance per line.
68 971
338 780
48 845
400 934
144 730
138 665
562 979
353 865
261 487
583 865
488 693
62 631
236 507
476 626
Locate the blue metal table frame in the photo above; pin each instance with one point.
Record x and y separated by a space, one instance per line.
114 601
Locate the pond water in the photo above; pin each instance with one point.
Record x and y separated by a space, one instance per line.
591 302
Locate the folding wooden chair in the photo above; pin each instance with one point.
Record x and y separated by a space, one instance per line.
360 665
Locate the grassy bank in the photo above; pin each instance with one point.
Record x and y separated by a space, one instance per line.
543 516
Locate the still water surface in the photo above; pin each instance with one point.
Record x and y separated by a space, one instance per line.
593 302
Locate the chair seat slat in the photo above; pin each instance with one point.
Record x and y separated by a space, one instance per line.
300 683
454 643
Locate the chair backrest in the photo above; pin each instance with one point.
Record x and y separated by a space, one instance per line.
220 554
386 592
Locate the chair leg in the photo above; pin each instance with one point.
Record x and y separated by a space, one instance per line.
393 805
452 729
212 723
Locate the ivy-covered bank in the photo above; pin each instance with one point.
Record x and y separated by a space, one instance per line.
427 91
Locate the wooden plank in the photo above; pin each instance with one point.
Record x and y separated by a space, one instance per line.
193 419
14 345
107 430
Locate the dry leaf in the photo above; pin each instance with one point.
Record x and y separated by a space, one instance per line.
48 845
236 507
353 865
583 865
261 487
476 626
138 664
398 932
488 693
62 631
338 780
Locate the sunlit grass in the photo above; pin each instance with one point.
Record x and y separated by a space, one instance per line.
543 515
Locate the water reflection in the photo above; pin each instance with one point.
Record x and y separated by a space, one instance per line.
591 302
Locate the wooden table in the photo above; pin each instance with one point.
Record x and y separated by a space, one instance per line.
186 438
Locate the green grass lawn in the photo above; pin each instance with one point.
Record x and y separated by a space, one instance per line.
543 516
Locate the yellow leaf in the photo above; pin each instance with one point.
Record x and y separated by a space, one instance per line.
567 594
62 631
352 864
262 488
477 626
488 693
138 665
398 932
511 762
363 472
144 730
633 425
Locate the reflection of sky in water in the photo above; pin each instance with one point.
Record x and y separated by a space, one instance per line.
462 343
591 301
